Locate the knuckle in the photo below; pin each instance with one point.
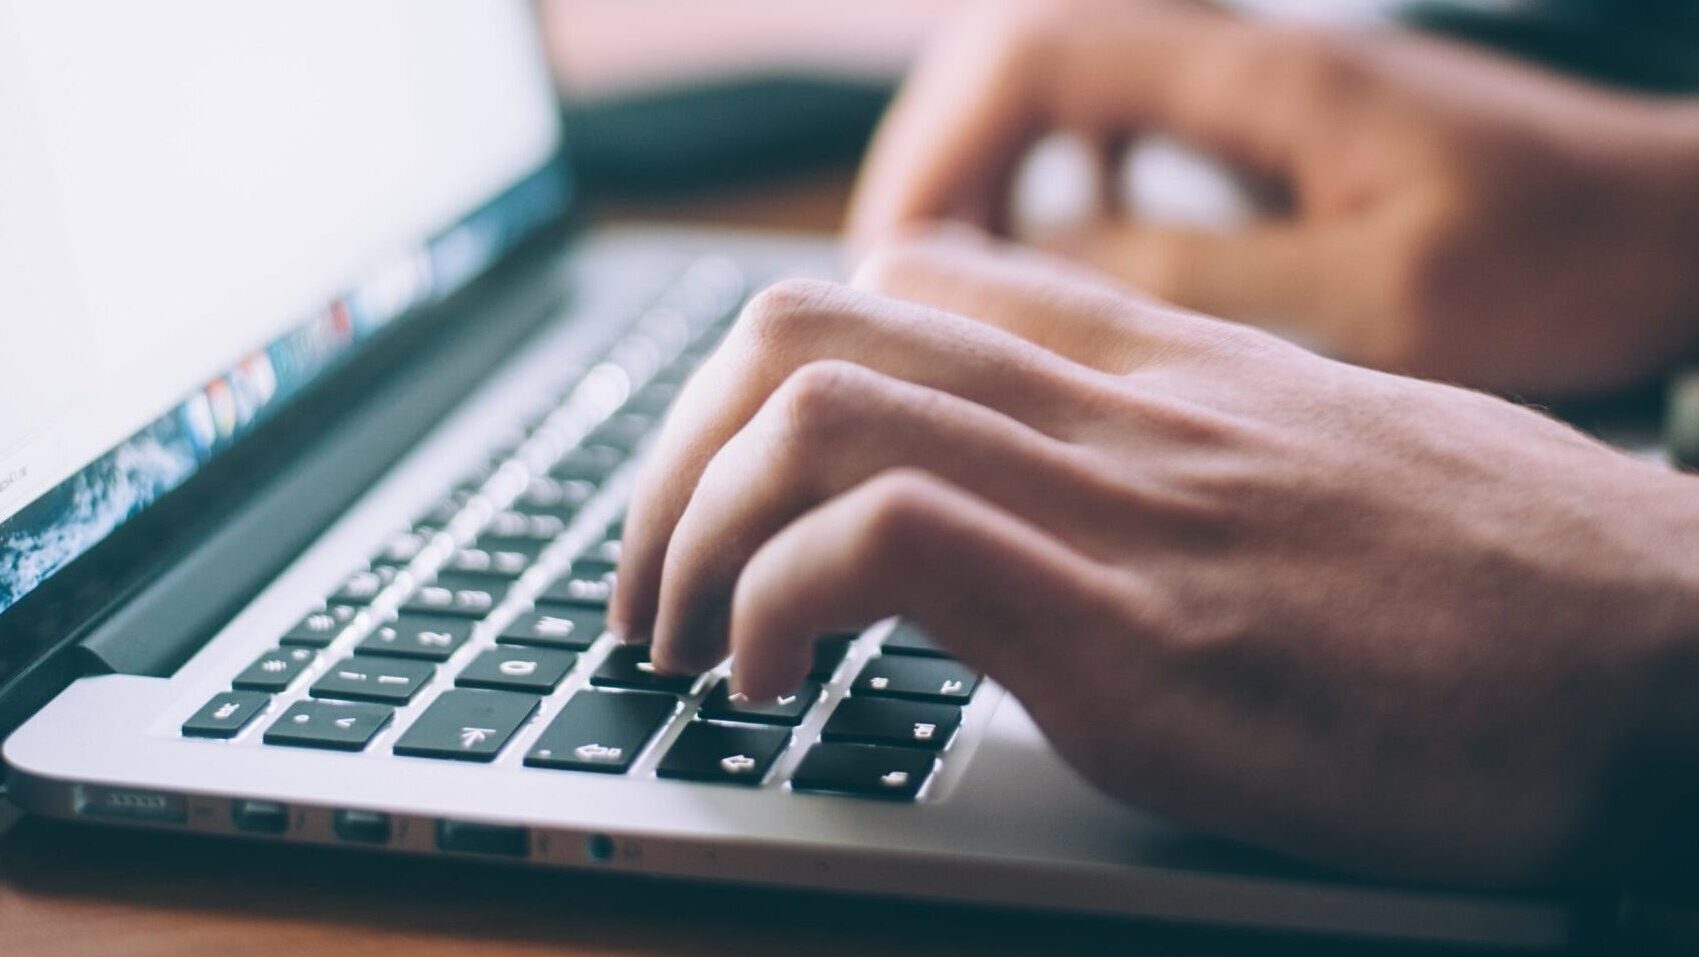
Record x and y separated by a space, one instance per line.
819 401
893 265
1313 59
900 506
785 310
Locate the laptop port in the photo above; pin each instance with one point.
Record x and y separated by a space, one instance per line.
362 827
599 848
259 817
96 801
469 838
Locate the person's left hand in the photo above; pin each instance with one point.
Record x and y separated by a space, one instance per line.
1380 622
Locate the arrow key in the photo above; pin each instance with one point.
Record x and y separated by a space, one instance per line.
601 731
789 709
466 724
723 753
895 774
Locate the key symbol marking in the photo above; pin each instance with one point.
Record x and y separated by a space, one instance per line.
597 752
435 639
553 627
880 683
226 710
472 737
345 723
518 669
274 665
951 686
737 764
924 731
894 779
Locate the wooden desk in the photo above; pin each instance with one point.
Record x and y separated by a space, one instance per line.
70 891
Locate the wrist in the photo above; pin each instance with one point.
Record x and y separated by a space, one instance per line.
1653 791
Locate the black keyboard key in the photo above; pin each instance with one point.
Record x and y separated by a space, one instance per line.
607 550
536 670
226 714
592 463
895 774
573 629
601 731
473 596
274 670
371 678
481 561
908 639
590 583
321 627
910 724
361 587
525 526
723 753
653 400
524 546
623 431
328 724
789 709
441 514
466 725
627 666
551 496
428 637
917 679
402 548
829 653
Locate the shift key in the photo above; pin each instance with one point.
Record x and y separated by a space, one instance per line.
602 731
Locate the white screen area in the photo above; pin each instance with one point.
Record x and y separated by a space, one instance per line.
183 180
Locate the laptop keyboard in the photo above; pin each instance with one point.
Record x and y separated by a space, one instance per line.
462 608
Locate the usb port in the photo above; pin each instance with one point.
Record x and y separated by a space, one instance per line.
259 817
469 838
363 827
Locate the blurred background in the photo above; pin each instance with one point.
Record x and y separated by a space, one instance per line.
678 97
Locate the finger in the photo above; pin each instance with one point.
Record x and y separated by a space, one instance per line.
996 591
953 136
791 325
1069 309
830 427
1311 280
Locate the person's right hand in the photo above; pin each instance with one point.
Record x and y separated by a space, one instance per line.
1384 623
1449 213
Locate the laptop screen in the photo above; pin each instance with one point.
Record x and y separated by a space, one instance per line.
208 205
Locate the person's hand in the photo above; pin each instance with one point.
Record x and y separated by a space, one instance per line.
1371 620
1444 212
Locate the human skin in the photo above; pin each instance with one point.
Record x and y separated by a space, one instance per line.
1373 621
1443 211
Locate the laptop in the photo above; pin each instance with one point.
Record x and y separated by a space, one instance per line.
317 420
